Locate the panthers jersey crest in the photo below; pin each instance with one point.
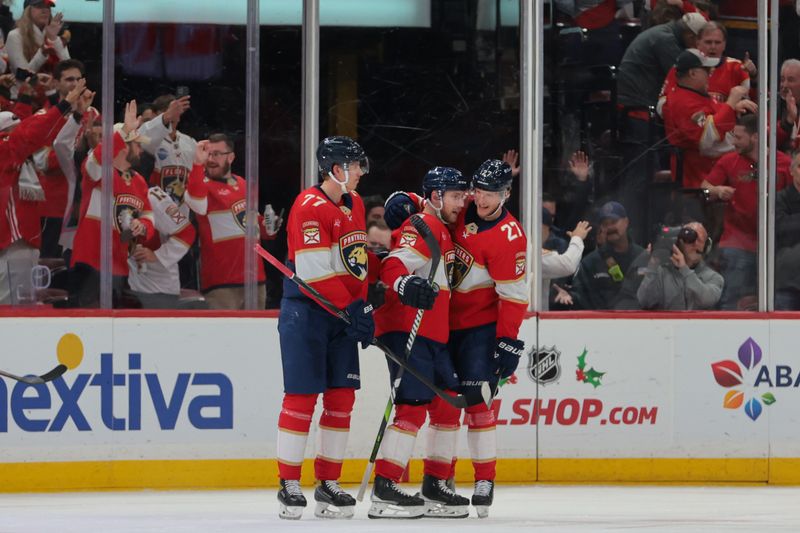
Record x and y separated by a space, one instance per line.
239 210
449 263
126 208
173 181
353 249
462 264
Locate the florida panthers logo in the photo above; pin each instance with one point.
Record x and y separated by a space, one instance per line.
461 266
239 210
353 248
449 262
173 181
126 208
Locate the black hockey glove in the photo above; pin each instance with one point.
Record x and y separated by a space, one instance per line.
398 207
415 291
507 354
361 327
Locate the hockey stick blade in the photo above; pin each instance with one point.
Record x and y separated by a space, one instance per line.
459 401
36 380
53 374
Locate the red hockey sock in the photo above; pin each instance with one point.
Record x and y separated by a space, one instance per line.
293 424
398 442
334 428
442 438
482 441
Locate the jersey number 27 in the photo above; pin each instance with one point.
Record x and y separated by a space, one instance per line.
512 229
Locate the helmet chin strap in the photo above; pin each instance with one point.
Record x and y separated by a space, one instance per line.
500 205
429 201
342 184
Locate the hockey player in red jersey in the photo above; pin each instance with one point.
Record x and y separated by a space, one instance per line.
327 241
133 217
490 297
404 272
489 300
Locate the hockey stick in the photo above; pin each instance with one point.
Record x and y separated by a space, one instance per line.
459 401
436 255
37 380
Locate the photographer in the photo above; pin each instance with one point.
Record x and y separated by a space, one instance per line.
677 278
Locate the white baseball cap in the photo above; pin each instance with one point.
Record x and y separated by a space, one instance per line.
694 21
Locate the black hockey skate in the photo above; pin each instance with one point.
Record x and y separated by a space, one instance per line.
441 501
483 497
391 501
332 501
291 499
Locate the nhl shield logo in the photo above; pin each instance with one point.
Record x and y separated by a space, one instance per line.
544 366
353 249
461 266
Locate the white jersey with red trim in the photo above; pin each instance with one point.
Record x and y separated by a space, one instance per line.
176 235
174 158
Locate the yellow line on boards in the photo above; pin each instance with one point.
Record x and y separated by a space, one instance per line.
263 473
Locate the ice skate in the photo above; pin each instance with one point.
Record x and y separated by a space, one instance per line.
391 501
483 497
332 501
291 499
441 501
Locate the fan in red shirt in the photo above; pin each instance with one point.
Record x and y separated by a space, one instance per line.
695 122
19 229
218 198
729 73
734 179
133 217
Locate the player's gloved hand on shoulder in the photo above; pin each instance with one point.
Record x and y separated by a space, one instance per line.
398 207
362 326
415 291
507 354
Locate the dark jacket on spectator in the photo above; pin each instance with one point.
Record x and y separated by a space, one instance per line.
594 288
646 63
787 238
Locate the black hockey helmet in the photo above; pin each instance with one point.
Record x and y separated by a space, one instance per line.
492 175
443 179
340 150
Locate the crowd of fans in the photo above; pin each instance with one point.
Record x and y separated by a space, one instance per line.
170 191
678 227
676 230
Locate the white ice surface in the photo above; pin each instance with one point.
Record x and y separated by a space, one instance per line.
559 508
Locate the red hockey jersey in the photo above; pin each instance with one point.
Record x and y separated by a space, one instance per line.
489 273
328 244
694 122
725 77
411 255
220 206
130 197
19 218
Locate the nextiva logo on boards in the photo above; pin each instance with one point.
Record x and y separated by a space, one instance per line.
50 407
731 375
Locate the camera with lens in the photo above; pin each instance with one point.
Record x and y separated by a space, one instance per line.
669 236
